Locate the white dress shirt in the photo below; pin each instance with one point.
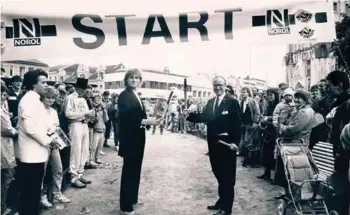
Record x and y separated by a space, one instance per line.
245 103
220 100
138 98
33 140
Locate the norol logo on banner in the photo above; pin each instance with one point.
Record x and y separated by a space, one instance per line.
279 23
29 32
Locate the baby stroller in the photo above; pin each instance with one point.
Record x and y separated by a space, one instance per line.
305 193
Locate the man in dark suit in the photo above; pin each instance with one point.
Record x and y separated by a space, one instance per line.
132 138
15 95
222 116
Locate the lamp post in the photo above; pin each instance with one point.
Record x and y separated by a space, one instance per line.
166 71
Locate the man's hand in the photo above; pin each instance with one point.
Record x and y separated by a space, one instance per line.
149 121
233 147
90 113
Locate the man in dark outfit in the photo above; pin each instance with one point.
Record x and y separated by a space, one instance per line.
222 116
15 95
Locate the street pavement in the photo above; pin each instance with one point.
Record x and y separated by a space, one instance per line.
176 180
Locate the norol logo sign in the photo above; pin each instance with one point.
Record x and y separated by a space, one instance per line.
29 32
278 22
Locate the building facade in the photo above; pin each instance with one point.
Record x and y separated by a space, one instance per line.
307 64
70 73
158 84
20 67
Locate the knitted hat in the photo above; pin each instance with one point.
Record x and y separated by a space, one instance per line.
304 94
288 91
345 137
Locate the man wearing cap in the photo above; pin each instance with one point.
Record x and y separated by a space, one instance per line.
222 116
77 111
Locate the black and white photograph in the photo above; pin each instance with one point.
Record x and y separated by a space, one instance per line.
175 108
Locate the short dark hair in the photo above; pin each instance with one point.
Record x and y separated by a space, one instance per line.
31 78
323 80
59 84
16 78
282 85
314 87
336 77
106 93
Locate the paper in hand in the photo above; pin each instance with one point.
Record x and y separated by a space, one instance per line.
62 139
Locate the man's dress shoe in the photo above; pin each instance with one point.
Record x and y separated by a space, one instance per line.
221 212
213 207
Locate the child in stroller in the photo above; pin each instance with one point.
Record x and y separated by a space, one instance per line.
304 192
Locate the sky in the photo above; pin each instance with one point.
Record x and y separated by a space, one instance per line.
263 62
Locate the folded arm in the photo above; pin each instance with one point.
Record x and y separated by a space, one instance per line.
71 111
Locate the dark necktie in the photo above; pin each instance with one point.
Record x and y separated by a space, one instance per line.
216 105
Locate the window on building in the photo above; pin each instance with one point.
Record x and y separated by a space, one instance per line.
143 85
204 94
55 78
101 86
308 68
162 85
194 93
61 79
109 86
199 93
335 7
101 75
209 94
21 71
30 68
50 78
11 71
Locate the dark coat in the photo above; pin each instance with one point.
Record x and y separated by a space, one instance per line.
131 135
13 101
226 119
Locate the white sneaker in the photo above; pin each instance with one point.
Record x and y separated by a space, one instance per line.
117 148
61 199
45 202
102 153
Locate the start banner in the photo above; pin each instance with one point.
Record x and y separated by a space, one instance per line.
28 33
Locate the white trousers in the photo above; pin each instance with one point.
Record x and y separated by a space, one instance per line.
79 153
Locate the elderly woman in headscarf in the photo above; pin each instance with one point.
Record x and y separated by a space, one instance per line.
297 126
